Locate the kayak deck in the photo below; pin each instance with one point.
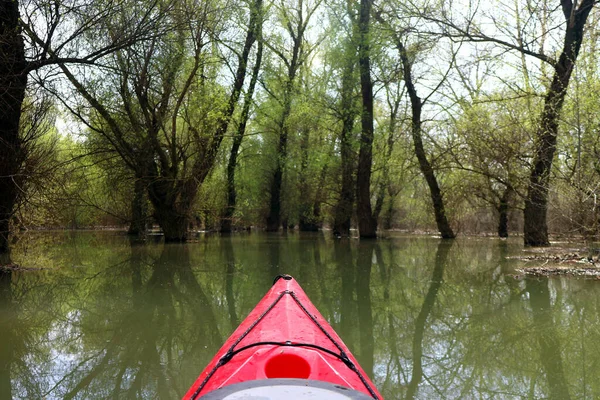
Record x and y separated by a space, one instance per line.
285 336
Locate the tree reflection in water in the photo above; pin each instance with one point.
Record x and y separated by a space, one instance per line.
550 346
441 258
426 320
7 324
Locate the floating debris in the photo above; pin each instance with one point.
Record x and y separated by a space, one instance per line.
588 272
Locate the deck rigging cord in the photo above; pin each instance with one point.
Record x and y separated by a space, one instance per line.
233 351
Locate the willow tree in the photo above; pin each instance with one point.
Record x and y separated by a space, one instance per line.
33 37
160 107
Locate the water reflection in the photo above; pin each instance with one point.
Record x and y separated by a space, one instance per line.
548 338
425 318
441 258
7 321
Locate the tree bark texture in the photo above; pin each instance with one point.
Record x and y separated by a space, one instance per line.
416 131
367 225
535 228
13 82
254 31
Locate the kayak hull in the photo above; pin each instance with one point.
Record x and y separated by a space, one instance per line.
285 336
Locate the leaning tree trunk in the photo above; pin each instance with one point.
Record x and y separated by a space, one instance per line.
13 82
535 228
424 164
367 225
254 32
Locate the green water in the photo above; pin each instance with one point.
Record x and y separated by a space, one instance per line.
426 319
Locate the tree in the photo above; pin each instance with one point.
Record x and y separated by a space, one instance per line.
254 33
367 224
574 18
33 37
295 21
171 115
343 57
407 59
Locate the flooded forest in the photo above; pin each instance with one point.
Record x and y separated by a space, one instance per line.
161 161
352 116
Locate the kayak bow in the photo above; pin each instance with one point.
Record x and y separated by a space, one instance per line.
284 341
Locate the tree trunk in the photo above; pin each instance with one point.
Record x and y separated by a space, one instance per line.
254 32
367 225
13 82
348 113
343 208
385 170
503 213
274 216
172 201
426 168
535 228
139 209
308 221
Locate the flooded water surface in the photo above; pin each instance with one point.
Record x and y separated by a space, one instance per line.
93 316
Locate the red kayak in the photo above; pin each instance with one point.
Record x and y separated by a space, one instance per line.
283 349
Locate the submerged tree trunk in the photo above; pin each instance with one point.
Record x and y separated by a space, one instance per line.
13 83
305 219
139 209
503 208
345 203
416 131
254 32
367 225
535 226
